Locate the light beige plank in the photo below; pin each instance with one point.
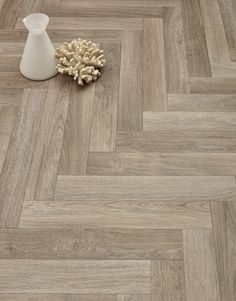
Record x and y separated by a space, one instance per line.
213 85
190 121
7 119
131 82
73 159
105 9
167 280
15 170
43 171
224 225
9 63
104 119
233 54
29 7
195 40
228 11
172 141
59 297
115 214
177 77
145 188
11 48
133 297
90 23
74 276
154 78
200 266
202 102
164 164
9 13
224 69
91 244
214 29
16 80
10 97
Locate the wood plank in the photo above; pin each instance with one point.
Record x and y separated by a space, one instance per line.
177 77
202 102
164 164
131 82
129 9
9 63
167 280
200 266
145 188
154 78
195 121
7 119
213 85
9 13
224 69
12 49
228 11
29 7
195 40
115 214
15 169
133 297
214 29
73 159
16 80
224 225
104 119
91 244
74 276
176 141
10 97
59 297
90 23
45 161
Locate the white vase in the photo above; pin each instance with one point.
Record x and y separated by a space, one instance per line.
38 60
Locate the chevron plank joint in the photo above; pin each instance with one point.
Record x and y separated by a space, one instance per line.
123 190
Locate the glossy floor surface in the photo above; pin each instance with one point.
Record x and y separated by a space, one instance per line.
123 190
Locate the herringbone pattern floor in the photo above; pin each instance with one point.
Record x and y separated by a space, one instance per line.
123 190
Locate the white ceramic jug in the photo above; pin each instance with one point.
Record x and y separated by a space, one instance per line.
38 60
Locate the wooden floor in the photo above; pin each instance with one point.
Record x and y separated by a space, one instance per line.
123 190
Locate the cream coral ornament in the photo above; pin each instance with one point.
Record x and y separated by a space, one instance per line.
81 59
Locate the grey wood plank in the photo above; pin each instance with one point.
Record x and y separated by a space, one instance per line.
74 276
116 214
162 164
99 244
10 97
131 82
16 166
9 13
45 161
59 297
104 119
16 80
167 188
213 85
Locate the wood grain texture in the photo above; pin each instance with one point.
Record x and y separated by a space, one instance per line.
177 77
119 214
43 171
88 276
9 13
73 158
90 23
131 93
200 266
133 297
176 141
79 243
154 81
104 119
15 80
10 97
223 218
75 188
195 40
202 102
9 63
60 297
16 166
213 85
207 121
167 280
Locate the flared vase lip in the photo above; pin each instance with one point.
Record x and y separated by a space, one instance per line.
36 22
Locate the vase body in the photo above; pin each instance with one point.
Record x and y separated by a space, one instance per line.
38 60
